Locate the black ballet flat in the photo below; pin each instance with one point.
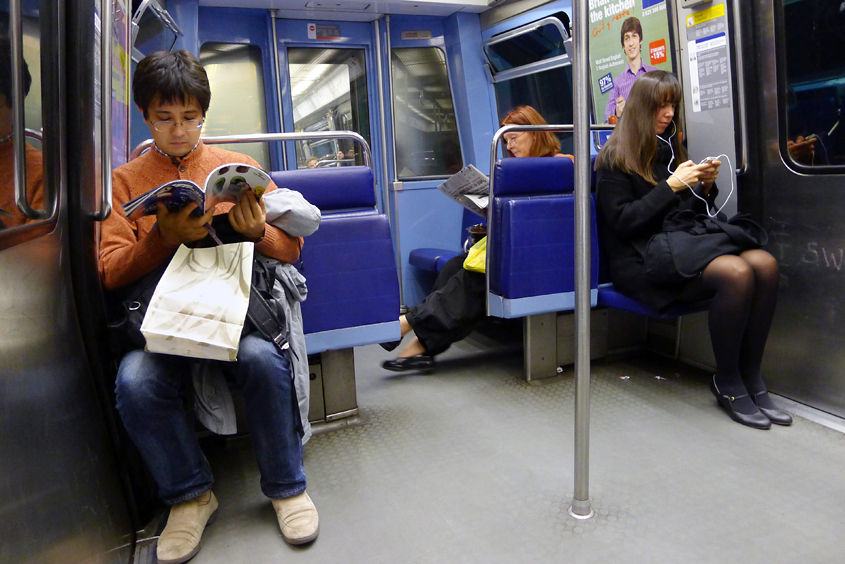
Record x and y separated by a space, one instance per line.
422 362
391 345
757 420
776 416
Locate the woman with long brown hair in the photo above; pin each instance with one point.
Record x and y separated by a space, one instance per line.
457 301
643 174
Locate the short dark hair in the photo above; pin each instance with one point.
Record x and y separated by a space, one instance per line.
631 24
6 72
171 77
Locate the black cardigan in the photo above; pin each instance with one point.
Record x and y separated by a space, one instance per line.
630 211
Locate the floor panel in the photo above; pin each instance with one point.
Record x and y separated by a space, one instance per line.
471 465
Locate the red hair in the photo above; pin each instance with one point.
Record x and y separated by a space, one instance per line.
545 143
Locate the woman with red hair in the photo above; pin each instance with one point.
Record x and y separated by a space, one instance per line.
457 301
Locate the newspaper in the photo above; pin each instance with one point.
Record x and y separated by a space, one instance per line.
470 187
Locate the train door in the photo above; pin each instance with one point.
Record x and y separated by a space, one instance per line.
329 82
799 183
60 493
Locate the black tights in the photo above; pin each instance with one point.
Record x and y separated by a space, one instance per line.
744 290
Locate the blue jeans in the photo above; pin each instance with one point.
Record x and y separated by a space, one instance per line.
150 390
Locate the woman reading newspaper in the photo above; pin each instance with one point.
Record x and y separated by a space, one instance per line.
457 301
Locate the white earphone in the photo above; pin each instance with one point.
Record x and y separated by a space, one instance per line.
669 168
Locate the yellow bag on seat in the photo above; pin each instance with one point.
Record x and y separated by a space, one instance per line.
477 255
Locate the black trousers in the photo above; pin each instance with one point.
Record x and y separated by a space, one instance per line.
452 309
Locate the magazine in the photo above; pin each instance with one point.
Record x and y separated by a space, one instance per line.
224 184
470 187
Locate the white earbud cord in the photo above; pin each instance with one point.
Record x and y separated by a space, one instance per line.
669 168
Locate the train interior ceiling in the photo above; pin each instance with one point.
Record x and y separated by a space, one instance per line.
475 461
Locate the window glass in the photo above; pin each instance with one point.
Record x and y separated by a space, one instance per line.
544 42
10 215
329 93
426 132
237 96
549 92
815 89
153 31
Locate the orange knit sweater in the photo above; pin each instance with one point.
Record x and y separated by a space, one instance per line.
131 249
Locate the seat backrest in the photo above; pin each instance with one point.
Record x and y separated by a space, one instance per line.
533 176
534 222
331 189
349 265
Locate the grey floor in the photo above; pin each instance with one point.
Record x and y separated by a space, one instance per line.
471 464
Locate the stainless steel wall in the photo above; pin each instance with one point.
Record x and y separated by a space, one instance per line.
61 498
805 357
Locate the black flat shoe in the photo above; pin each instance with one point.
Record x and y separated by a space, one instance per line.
421 362
391 345
757 420
776 416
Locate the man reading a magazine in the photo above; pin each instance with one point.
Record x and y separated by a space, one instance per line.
172 91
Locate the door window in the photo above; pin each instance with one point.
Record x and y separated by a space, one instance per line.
329 93
815 83
425 128
237 104
33 174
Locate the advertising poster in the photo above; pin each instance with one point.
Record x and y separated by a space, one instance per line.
120 84
627 38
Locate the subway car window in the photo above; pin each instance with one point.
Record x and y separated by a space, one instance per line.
427 142
237 107
549 92
11 215
329 93
538 44
152 28
815 88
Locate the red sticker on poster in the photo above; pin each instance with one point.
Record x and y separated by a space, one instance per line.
657 52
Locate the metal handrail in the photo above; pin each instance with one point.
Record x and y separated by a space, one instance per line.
266 137
742 168
19 131
581 507
106 20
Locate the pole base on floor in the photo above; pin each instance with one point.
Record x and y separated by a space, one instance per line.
581 509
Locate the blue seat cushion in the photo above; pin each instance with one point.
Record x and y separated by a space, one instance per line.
331 189
534 175
534 246
429 259
608 297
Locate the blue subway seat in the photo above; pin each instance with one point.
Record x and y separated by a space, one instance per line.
608 297
353 287
532 262
431 259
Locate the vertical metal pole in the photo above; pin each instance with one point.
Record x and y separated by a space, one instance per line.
581 507
279 88
382 117
388 46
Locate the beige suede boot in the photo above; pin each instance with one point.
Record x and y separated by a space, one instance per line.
297 518
180 539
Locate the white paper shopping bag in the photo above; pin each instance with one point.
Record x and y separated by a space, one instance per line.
200 303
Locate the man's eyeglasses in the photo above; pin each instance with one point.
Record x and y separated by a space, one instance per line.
509 140
187 125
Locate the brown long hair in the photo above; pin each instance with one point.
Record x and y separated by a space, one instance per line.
632 148
545 143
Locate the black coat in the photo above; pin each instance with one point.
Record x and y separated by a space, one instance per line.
630 211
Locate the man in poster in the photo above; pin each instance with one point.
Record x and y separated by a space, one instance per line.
632 42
